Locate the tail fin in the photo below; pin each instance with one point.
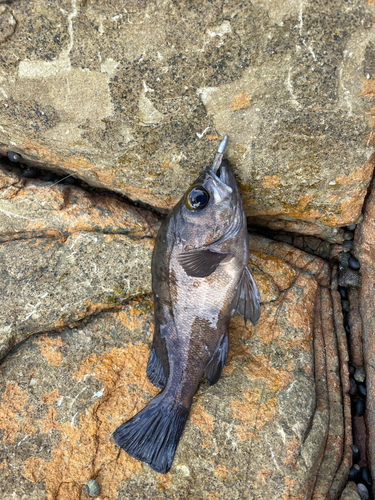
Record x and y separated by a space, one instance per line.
152 435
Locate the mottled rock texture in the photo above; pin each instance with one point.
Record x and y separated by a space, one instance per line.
134 95
66 254
273 426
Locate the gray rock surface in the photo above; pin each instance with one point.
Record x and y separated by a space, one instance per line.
133 96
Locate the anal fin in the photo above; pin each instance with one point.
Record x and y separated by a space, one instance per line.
247 299
216 364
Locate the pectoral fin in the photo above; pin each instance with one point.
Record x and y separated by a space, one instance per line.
246 300
201 263
216 364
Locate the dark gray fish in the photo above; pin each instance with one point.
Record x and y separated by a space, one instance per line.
199 279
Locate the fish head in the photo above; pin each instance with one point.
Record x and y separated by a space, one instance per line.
210 208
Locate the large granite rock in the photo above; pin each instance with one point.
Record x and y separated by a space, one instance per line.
66 254
275 426
134 95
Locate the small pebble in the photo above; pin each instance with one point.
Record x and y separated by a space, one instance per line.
360 375
353 387
362 390
349 277
347 329
348 235
366 478
362 491
345 305
91 488
29 172
351 369
353 263
355 473
343 292
358 407
14 157
351 227
343 258
347 246
356 454
49 177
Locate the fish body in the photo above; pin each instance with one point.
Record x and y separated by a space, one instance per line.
199 278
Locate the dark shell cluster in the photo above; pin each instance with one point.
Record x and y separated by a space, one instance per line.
349 276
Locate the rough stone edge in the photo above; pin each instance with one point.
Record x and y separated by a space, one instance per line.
342 473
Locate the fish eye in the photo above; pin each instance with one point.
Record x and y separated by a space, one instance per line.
196 197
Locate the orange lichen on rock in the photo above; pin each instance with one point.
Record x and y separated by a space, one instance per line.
86 448
279 271
220 471
260 368
251 413
164 481
49 349
267 328
14 416
202 419
270 181
48 399
292 452
49 422
262 475
240 101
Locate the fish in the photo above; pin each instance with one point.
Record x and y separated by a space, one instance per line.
199 279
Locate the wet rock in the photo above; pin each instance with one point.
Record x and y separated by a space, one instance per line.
353 387
348 235
350 278
365 476
343 292
29 172
347 246
358 407
343 258
353 263
362 390
14 157
363 492
107 99
360 375
351 227
355 473
356 454
276 421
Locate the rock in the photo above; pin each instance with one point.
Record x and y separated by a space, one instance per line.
348 235
345 305
276 422
362 492
355 473
108 100
365 253
351 227
66 254
343 258
343 292
358 407
353 263
350 278
350 492
356 454
347 245
366 478
360 375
